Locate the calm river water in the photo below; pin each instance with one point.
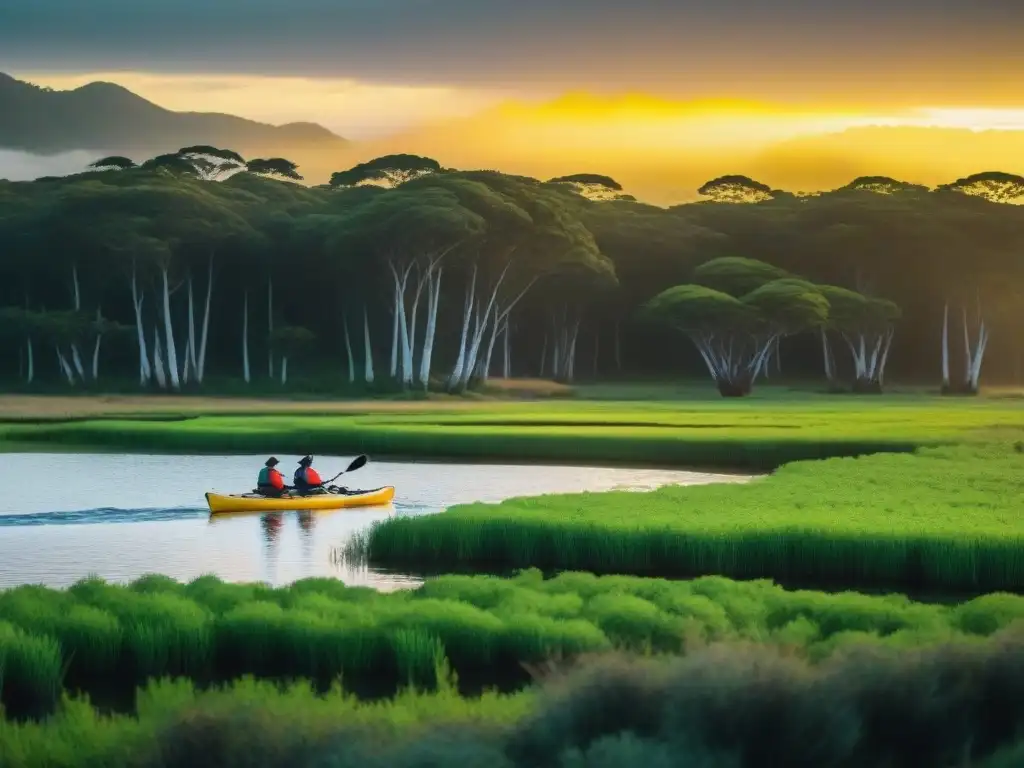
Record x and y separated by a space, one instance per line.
67 516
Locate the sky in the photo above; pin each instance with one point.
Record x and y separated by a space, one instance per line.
584 75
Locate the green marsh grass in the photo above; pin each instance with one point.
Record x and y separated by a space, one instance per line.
757 434
487 631
730 705
941 519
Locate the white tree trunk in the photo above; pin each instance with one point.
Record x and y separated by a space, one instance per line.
483 370
77 300
284 370
367 349
96 351
394 335
481 329
158 360
30 367
245 338
185 367
967 350
189 364
172 354
62 364
945 346
201 369
433 299
460 362
348 353
145 372
77 359
506 367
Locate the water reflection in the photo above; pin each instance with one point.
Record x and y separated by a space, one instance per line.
157 522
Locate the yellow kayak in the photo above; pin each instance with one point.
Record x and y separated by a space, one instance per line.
253 502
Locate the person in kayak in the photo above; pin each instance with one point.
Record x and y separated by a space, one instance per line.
271 482
307 480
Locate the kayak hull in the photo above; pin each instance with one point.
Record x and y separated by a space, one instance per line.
220 503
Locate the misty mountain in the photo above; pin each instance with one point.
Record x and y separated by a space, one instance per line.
108 118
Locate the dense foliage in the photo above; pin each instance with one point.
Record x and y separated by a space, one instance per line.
943 518
106 640
725 707
406 274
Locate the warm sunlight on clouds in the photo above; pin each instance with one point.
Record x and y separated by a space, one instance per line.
661 149
348 107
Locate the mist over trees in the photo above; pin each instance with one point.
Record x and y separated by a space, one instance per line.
403 274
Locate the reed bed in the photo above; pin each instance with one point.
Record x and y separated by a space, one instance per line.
941 519
725 706
755 435
97 637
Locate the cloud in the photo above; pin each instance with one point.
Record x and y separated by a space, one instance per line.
810 48
22 166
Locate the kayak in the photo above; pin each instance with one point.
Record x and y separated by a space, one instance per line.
254 502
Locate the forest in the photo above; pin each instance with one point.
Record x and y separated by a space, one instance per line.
401 274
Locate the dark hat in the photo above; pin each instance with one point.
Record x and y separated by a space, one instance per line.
272 461
306 460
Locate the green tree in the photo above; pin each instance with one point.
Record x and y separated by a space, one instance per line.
735 334
388 171
736 189
994 186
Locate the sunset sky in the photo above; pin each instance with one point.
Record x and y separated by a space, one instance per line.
579 76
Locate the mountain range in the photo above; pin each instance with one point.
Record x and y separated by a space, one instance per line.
108 118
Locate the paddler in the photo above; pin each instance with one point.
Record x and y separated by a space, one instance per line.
307 480
270 481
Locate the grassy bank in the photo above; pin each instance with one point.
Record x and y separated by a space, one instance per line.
728 706
757 434
106 639
943 519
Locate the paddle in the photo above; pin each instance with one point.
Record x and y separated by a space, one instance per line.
357 463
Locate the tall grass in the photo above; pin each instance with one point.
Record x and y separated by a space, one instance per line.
486 631
944 518
760 434
725 706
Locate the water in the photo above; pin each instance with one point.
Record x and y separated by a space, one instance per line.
67 516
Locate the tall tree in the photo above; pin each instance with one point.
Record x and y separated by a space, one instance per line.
388 171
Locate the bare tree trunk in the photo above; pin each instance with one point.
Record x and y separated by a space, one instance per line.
190 346
158 360
201 370
172 355
64 367
367 349
460 362
434 298
945 348
145 372
543 355
506 370
96 350
348 352
30 372
284 370
245 337
75 356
